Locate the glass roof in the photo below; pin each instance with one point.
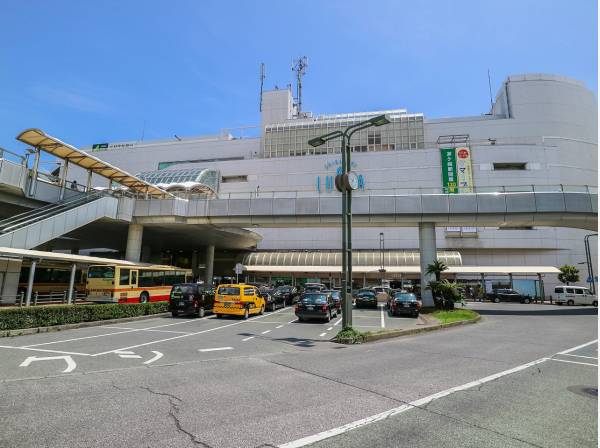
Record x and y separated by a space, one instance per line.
184 179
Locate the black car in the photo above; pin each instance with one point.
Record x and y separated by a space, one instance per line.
507 295
316 305
190 298
314 287
403 303
365 297
337 298
286 295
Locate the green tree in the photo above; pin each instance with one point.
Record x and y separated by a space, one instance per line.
436 268
568 274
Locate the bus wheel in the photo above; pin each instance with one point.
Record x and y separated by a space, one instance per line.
144 297
570 303
595 303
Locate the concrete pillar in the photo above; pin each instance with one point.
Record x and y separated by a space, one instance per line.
427 251
510 280
88 185
134 242
30 282
71 284
541 286
195 272
210 265
63 180
10 271
483 284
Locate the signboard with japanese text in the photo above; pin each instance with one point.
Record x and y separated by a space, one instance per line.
457 172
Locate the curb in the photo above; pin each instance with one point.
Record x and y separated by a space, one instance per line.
410 331
96 323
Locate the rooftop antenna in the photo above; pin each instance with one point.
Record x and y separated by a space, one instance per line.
490 87
262 77
299 66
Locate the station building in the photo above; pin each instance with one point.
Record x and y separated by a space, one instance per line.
540 135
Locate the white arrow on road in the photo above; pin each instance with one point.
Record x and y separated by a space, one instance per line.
157 355
70 363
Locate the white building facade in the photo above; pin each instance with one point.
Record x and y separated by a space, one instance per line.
540 134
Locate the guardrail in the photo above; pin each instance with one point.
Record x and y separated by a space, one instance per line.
54 297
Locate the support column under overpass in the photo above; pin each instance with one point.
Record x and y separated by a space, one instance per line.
210 264
134 242
427 251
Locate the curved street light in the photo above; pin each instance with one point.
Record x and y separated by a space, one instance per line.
345 185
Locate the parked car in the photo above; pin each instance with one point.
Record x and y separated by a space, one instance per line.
287 294
404 303
314 287
316 305
337 298
574 295
238 300
190 298
383 293
365 297
507 295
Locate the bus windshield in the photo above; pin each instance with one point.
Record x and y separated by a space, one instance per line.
107 272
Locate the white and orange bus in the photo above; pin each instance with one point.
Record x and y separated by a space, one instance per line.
137 283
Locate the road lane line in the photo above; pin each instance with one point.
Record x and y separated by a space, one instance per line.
157 356
337 323
330 328
382 317
322 334
279 326
581 356
217 349
574 362
247 339
266 331
292 321
130 356
414 404
577 348
45 350
183 335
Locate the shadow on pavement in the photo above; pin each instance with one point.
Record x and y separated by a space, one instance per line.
566 311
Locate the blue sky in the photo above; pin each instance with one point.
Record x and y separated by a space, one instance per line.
90 72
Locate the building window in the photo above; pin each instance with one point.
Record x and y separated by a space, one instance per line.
515 228
232 179
509 166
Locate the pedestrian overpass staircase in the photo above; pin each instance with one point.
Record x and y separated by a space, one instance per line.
32 228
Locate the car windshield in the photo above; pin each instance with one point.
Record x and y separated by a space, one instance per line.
229 291
284 289
366 294
336 294
101 272
314 298
405 297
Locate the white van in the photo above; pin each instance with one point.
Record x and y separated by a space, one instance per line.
574 295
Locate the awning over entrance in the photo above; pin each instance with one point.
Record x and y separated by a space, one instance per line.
39 139
26 254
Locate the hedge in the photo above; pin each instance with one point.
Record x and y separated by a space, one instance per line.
45 316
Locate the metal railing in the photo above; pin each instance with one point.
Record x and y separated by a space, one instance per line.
48 298
32 216
558 188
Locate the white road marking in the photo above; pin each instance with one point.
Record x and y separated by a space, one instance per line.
279 326
70 363
322 334
217 349
417 403
330 328
184 335
292 321
577 348
266 331
337 323
130 356
45 351
247 339
382 317
581 356
573 362
157 356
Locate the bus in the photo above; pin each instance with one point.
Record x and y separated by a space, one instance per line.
136 283
51 279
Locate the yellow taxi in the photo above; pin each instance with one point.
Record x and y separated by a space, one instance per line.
238 300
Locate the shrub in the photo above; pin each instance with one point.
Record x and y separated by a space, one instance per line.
445 294
349 335
45 316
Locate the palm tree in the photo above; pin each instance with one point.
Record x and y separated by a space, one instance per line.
568 274
436 268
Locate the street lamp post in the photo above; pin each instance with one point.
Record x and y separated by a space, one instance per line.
346 182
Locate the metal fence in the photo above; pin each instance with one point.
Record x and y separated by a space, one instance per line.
50 298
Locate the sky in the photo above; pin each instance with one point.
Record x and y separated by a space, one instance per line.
112 70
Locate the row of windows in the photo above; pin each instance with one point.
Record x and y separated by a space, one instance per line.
50 275
149 278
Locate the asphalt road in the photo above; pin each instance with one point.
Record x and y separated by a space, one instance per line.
271 381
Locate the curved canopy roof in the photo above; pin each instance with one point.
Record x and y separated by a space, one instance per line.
39 139
187 179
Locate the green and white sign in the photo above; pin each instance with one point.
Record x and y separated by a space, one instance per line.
457 173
